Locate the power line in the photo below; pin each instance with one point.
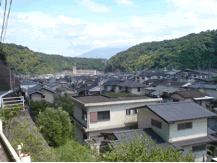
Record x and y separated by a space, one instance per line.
7 20
3 22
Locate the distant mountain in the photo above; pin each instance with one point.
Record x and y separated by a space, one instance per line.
26 61
105 53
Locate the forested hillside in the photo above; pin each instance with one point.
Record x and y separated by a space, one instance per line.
185 52
27 61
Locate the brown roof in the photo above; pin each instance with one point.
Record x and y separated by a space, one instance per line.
191 94
5 78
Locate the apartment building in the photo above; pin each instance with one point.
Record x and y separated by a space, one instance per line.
96 114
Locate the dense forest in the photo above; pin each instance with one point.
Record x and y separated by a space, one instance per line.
189 51
26 61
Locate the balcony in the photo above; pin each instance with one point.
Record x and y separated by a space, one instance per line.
131 119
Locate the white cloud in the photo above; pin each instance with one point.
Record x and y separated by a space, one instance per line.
93 6
124 2
67 36
107 30
72 34
71 21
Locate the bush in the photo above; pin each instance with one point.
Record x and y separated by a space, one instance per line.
56 126
73 151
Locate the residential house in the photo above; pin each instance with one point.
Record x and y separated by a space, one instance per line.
196 96
183 125
144 76
39 93
165 89
62 82
96 114
127 86
52 85
209 89
190 73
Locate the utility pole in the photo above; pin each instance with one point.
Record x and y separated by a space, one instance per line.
10 77
209 73
100 85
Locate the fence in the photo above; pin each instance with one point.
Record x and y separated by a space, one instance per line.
9 101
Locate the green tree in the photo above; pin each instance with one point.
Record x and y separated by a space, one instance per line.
38 106
56 126
73 151
25 132
65 102
141 149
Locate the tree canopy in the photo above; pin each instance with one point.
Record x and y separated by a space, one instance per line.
141 149
56 126
26 61
189 51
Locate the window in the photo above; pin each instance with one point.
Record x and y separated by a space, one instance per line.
120 87
143 77
137 77
128 112
199 148
135 111
184 126
138 89
156 123
84 115
104 115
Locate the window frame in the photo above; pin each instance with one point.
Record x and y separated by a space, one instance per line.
138 89
154 123
135 111
128 112
84 114
104 119
184 126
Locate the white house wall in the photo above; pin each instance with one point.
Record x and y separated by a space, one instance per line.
199 129
117 115
48 95
108 88
135 91
36 97
198 155
79 133
78 113
144 121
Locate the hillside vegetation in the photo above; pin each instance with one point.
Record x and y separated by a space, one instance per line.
185 52
27 61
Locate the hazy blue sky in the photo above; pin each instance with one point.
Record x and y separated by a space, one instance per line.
72 27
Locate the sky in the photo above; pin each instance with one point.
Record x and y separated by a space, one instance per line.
72 27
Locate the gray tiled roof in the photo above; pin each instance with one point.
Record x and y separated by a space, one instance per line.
128 136
207 86
161 88
131 84
51 85
32 89
101 98
181 144
191 94
180 111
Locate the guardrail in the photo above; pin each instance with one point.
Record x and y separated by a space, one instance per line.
9 150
